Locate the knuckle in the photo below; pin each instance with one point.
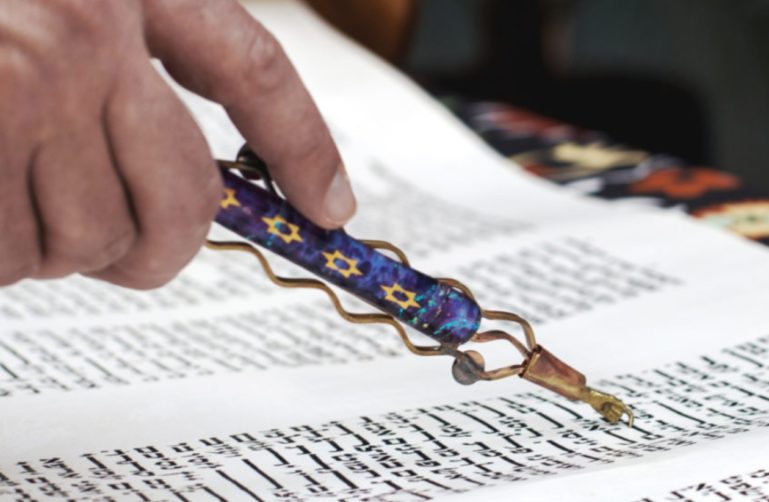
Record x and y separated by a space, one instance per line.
67 240
58 33
260 63
113 247
50 24
83 17
264 62
18 69
151 274
158 259
130 278
86 245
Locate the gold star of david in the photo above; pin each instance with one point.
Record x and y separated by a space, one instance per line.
351 264
397 288
276 223
229 199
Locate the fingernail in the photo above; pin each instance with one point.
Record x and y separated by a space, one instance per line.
340 201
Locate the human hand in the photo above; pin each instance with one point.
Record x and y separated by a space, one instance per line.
102 169
610 407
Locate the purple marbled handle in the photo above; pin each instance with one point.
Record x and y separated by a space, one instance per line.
418 300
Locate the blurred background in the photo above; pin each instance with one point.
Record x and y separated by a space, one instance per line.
689 78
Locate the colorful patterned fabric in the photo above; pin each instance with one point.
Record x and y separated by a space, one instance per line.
591 163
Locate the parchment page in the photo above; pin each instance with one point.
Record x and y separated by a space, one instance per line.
222 387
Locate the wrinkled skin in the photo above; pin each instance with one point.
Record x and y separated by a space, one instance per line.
102 169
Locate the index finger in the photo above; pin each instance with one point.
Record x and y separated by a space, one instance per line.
217 50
